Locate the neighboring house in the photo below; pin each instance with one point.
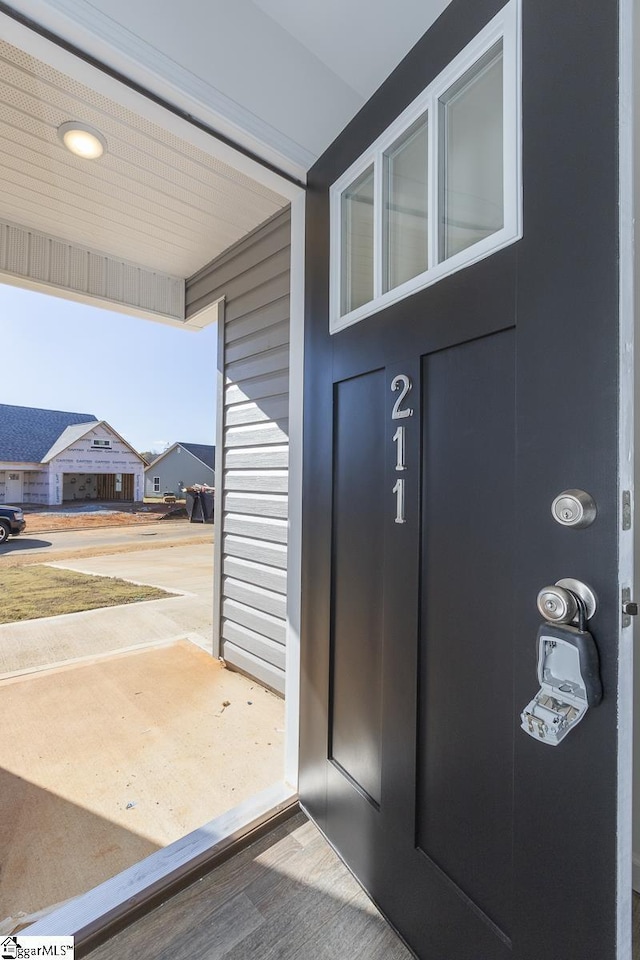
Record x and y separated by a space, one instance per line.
182 465
51 456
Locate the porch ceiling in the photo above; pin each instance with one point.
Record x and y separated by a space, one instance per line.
281 76
151 199
276 77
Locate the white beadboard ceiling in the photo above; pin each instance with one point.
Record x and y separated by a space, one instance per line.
280 78
152 199
283 75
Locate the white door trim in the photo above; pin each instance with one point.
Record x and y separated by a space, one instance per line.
294 554
111 901
627 123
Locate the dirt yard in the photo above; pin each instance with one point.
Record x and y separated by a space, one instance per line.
82 516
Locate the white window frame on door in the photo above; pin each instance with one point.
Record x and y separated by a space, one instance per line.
504 27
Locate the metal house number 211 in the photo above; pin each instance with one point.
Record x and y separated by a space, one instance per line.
402 383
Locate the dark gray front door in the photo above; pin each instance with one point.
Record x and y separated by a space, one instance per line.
419 639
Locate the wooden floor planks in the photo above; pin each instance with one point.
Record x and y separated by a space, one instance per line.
287 896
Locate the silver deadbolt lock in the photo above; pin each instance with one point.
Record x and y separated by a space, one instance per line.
574 508
559 603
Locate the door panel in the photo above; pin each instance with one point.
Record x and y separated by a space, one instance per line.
356 662
480 843
465 728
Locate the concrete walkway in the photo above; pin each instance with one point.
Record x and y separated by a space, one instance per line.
36 644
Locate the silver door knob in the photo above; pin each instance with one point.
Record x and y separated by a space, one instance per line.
557 604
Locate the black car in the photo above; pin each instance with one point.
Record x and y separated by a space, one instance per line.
12 522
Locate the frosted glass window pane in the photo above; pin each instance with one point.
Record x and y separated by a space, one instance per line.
471 194
406 206
357 243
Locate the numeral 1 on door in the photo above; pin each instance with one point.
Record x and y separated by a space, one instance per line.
399 492
398 438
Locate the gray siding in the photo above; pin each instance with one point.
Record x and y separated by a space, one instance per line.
179 466
252 448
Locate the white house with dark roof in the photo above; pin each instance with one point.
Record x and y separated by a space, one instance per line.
182 465
52 456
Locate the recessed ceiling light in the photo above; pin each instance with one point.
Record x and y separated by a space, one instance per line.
83 140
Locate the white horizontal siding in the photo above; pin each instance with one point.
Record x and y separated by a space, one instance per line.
263 623
257 458
257 481
258 388
260 365
255 644
259 528
258 434
258 320
255 299
262 669
266 600
276 408
258 504
253 440
262 551
257 573
266 339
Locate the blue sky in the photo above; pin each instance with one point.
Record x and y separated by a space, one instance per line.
153 383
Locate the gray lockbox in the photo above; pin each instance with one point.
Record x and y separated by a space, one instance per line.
569 677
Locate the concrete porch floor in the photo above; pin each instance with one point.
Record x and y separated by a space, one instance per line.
104 761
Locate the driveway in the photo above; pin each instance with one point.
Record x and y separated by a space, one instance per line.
39 546
186 569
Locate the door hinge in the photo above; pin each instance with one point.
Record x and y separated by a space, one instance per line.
629 607
626 509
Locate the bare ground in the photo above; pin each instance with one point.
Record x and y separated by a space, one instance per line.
71 517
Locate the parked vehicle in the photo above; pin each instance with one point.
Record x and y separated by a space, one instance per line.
12 522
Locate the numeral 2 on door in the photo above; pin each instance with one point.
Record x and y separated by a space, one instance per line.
403 383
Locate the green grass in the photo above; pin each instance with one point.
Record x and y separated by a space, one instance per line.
30 593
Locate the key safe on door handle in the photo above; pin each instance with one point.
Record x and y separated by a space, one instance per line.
568 664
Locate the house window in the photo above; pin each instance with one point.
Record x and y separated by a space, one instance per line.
406 203
101 444
357 229
156 484
440 189
471 156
